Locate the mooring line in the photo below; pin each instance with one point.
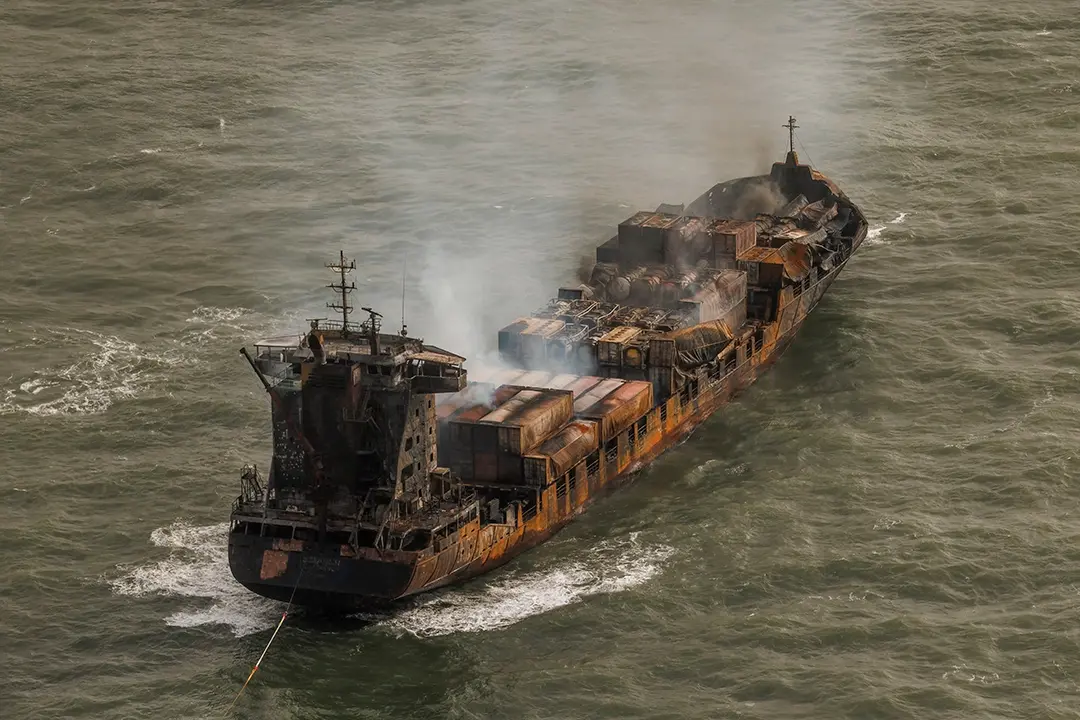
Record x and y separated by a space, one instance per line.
267 648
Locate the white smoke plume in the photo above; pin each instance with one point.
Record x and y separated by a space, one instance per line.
541 156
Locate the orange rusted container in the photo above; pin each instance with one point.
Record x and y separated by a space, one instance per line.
458 426
570 446
596 393
731 238
583 384
528 418
617 410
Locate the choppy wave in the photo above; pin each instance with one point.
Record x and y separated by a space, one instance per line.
211 323
197 567
109 368
874 232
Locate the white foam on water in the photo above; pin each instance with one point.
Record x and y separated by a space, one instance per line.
699 473
611 566
206 324
218 315
198 567
150 151
874 233
108 369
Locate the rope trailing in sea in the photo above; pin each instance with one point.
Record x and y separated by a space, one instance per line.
268 644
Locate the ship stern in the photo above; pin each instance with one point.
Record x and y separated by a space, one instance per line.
337 578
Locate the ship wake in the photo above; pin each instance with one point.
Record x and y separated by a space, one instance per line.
608 567
197 569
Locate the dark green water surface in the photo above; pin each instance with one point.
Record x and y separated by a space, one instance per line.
885 526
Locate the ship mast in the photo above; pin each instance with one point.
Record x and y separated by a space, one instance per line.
343 268
792 157
791 132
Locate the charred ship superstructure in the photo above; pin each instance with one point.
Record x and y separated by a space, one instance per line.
392 474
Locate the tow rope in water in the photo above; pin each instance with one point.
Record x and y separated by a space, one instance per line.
268 644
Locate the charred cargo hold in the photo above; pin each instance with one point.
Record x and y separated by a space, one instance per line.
393 473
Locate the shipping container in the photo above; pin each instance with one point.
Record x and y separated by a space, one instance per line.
534 378
634 355
562 382
527 419
535 470
575 384
510 469
619 409
485 467
764 267
641 238
661 352
570 446
533 342
663 381
455 433
716 299
731 238
599 391
609 349
583 384
609 251
510 337
449 403
562 347
630 229
686 242
511 405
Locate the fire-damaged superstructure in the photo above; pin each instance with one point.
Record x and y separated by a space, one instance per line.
392 474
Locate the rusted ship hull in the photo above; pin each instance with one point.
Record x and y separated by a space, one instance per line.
377 492
277 568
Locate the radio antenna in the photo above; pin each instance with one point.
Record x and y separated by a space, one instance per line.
404 269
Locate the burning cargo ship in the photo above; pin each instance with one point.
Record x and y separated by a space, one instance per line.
394 474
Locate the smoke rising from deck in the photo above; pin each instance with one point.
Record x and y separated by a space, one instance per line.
543 159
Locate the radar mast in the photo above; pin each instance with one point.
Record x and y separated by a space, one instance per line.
343 269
